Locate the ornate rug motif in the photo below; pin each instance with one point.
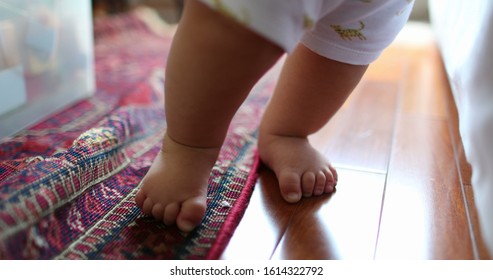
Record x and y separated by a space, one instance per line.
67 184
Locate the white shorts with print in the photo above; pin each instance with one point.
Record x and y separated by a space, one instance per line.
349 31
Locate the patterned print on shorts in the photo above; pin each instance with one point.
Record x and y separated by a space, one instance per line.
350 33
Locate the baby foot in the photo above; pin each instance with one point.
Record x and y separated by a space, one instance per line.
300 169
174 189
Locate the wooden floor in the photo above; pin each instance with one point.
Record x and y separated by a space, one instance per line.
404 188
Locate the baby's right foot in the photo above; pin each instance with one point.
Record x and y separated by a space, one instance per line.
174 189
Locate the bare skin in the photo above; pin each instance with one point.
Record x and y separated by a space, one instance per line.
213 64
310 90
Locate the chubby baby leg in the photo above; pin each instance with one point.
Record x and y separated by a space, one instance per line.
213 64
310 91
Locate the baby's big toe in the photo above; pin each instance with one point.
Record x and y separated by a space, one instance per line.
191 213
290 186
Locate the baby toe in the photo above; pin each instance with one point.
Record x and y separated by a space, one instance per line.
170 213
334 175
320 183
158 211
191 213
139 199
308 183
147 206
330 181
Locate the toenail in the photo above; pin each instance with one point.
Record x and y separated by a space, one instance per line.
293 197
331 189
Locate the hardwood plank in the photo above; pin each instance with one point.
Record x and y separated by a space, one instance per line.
265 221
465 170
482 250
425 93
423 214
364 132
464 166
453 117
358 137
428 210
341 226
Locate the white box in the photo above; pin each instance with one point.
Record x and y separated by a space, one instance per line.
50 42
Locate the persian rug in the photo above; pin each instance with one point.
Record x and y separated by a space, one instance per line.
67 184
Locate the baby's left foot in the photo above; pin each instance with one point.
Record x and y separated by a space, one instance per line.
300 169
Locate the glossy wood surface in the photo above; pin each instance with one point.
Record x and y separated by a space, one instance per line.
404 190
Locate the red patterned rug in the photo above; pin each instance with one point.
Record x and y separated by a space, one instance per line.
67 184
